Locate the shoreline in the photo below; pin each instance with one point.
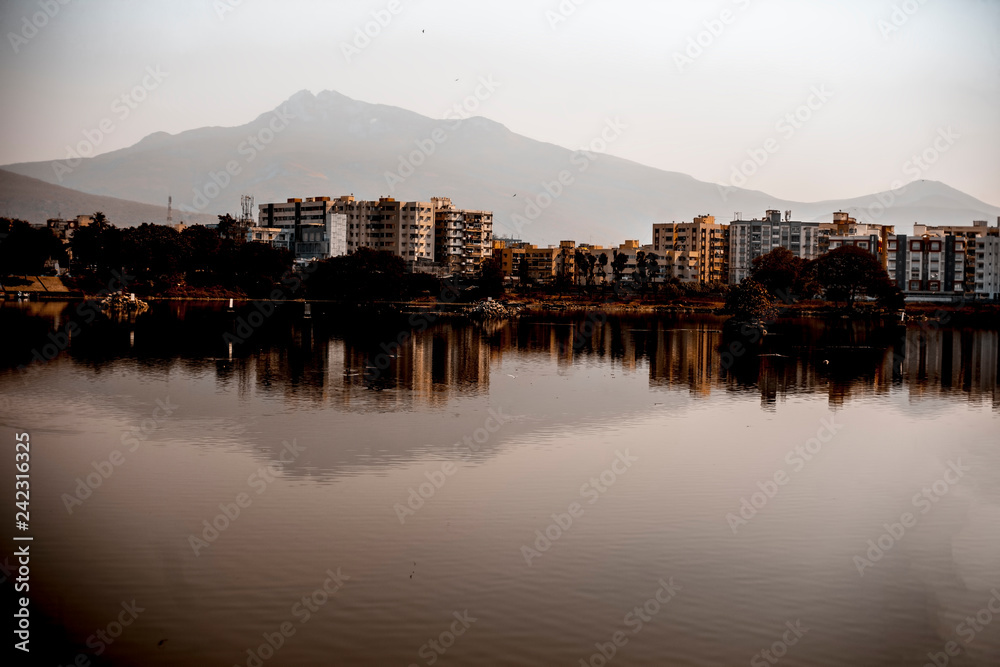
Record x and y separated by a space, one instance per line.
921 311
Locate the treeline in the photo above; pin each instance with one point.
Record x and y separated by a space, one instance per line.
157 260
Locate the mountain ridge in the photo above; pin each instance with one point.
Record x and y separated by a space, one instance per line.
330 144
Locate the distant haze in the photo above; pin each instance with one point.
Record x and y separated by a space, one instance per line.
897 73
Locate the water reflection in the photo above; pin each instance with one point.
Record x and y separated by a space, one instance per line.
422 360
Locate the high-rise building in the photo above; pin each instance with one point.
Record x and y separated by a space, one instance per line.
695 252
972 234
749 239
987 267
927 265
311 229
405 229
462 238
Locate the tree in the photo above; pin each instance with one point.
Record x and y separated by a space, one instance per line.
580 262
618 265
602 262
97 247
652 268
233 229
363 276
849 272
491 278
640 268
779 271
591 263
749 302
25 249
99 220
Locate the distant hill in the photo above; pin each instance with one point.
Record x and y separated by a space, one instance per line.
36 201
334 145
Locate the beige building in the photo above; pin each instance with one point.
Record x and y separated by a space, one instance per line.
405 229
695 252
462 238
972 234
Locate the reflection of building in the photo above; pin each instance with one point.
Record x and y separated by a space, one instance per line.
749 239
310 229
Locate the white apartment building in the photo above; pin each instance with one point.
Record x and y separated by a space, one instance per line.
405 229
462 238
987 269
749 239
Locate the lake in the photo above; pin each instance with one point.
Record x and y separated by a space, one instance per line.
566 489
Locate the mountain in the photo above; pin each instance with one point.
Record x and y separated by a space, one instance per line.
329 144
36 201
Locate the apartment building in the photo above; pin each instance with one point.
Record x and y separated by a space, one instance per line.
695 252
927 265
749 239
311 228
972 234
405 229
462 238
987 267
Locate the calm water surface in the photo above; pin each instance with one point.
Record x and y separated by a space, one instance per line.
650 481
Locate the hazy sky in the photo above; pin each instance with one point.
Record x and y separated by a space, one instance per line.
885 78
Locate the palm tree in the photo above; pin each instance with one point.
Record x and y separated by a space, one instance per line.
618 265
602 262
654 268
640 268
99 220
591 261
580 260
